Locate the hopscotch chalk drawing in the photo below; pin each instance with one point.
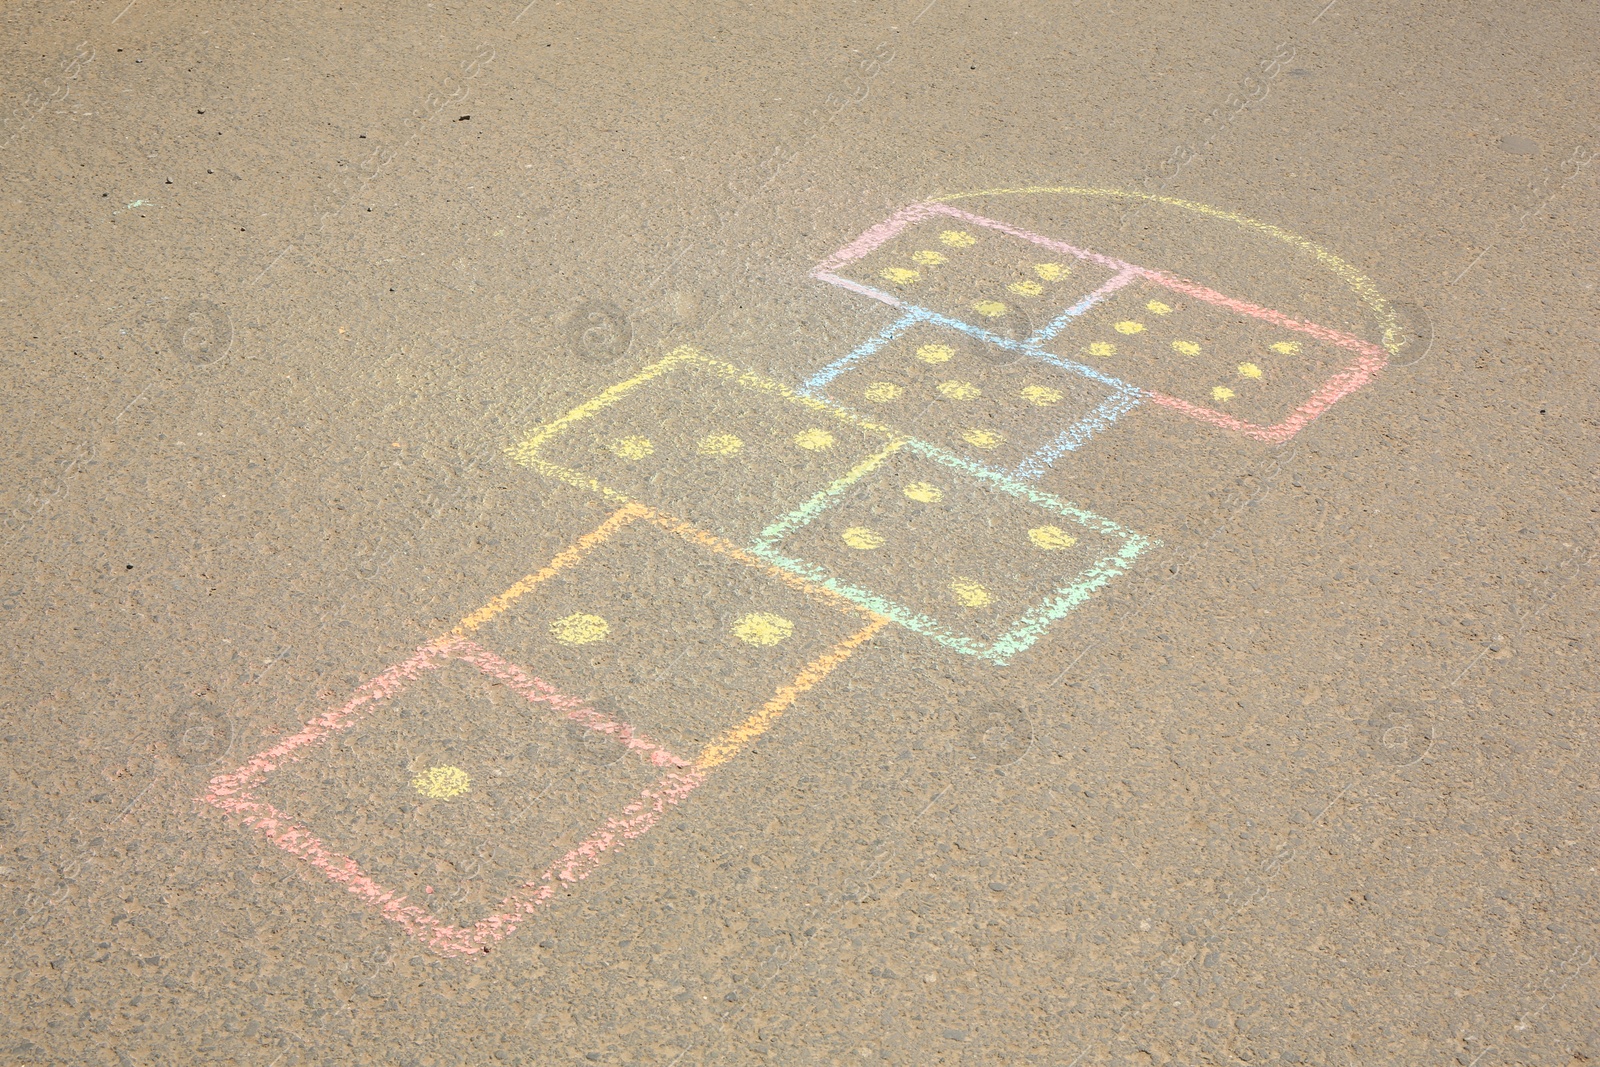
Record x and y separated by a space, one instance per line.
767 535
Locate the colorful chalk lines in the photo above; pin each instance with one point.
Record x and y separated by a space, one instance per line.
762 536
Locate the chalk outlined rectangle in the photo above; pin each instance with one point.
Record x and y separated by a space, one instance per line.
234 792
1367 360
676 640
534 450
1075 435
1025 630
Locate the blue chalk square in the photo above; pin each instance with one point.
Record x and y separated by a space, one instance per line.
1009 409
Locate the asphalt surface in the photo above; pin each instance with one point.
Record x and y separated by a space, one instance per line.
722 534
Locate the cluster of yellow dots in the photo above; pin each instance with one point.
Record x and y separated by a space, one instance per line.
964 591
956 389
718 445
959 239
442 783
762 629
1221 393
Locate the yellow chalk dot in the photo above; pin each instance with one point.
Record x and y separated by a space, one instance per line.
959 390
861 537
442 783
762 628
957 239
1026 288
923 493
1186 348
1041 395
1156 307
1129 326
1249 370
580 629
814 440
1050 272
632 447
928 258
881 392
1102 348
720 444
901 275
981 438
1051 537
1287 348
931 354
969 594
1221 392
989 308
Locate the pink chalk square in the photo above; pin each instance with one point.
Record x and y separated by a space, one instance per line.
456 794
1226 362
1004 282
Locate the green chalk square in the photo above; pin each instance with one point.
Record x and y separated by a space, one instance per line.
966 563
